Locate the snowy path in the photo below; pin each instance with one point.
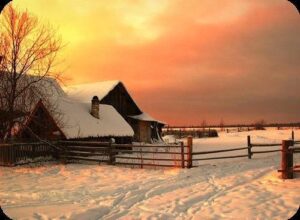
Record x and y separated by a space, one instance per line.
235 189
223 191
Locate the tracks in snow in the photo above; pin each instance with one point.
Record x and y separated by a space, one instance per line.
183 195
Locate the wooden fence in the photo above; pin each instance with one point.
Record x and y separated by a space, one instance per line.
246 152
253 148
124 154
180 155
289 148
184 156
20 153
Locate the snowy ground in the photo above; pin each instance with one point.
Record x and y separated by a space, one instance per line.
240 189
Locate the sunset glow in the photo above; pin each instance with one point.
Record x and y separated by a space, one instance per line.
185 61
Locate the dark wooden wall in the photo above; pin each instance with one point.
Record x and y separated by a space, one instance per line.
120 99
43 126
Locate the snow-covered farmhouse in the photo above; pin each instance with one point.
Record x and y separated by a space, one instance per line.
96 111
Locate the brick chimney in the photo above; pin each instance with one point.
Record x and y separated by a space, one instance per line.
95 107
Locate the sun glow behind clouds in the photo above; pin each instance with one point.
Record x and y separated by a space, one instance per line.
190 56
226 12
122 21
139 18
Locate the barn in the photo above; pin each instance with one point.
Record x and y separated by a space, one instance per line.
76 121
114 93
98 111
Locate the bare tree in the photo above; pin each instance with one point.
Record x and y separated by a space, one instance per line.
222 125
29 50
203 124
260 125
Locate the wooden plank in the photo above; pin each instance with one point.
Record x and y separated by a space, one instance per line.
182 156
84 143
217 158
147 146
85 146
249 148
28 144
79 148
83 153
219 151
85 159
265 145
265 151
112 155
257 147
5 145
139 164
190 152
143 158
286 156
14 153
147 152
294 148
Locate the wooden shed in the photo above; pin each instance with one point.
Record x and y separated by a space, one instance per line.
114 93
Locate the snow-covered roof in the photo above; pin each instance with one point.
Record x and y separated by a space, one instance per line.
84 92
51 87
145 117
77 122
46 88
74 116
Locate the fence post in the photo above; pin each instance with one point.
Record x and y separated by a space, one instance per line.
33 151
11 155
249 147
190 151
290 161
293 135
112 153
182 155
63 155
287 160
142 160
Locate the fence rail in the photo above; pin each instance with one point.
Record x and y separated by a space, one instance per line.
265 145
219 151
217 158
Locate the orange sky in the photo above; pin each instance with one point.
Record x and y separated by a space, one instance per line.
185 61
